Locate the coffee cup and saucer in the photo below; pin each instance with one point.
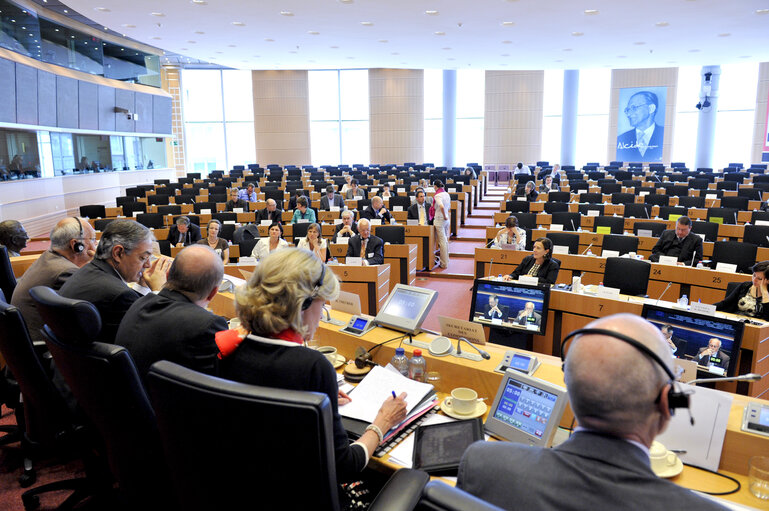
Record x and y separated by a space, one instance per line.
463 403
332 356
664 463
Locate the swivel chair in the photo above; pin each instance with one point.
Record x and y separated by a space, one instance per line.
393 234
630 276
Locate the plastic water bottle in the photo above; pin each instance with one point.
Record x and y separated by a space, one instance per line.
401 362
683 301
417 366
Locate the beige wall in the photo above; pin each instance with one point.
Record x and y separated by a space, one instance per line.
513 116
659 77
396 115
171 81
759 131
281 117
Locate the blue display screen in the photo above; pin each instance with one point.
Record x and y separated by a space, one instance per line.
520 362
359 324
525 408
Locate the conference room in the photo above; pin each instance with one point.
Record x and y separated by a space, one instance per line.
112 112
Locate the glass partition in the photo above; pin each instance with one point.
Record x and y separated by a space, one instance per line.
19 158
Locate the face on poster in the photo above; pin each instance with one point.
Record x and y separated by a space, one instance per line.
641 124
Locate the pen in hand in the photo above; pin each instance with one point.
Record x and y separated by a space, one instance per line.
394 396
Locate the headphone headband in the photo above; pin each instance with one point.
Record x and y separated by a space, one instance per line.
308 302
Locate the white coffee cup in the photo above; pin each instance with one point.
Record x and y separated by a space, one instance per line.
329 352
661 459
463 400
234 323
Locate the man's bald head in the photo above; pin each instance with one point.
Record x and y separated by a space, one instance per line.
196 272
67 233
612 385
271 204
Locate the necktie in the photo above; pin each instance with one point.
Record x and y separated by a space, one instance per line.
421 215
641 142
363 242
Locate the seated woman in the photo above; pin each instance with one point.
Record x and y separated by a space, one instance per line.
280 308
530 191
540 264
749 298
303 211
275 241
314 243
219 245
511 235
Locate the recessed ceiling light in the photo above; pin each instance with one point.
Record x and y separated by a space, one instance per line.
232 46
238 23
66 11
269 40
508 23
762 11
432 13
577 34
439 32
158 14
592 12
395 53
199 2
105 28
199 32
507 42
192 42
367 23
567 49
662 24
639 43
724 34
383 41
445 48
101 9
313 32
694 51
286 13
128 25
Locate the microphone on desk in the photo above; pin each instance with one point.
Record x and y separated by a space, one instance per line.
491 264
646 210
587 249
742 377
484 354
663 292
693 256
735 217
572 224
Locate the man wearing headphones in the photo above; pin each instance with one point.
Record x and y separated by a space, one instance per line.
73 244
13 236
618 373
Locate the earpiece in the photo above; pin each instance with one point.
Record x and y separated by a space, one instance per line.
78 247
307 303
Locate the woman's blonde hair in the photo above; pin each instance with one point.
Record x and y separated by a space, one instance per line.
272 299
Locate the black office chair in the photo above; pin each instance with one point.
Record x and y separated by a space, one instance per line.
708 229
556 207
7 277
104 380
615 223
637 210
566 239
226 231
151 220
363 204
514 206
299 231
102 223
247 246
630 276
276 195
666 211
740 203
691 202
569 221
622 198
676 191
558 197
131 207
169 210
656 199
217 198
198 207
158 200
727 215
184 199
593 198
93 211
620 243
401 201
656 228
584 208
578 186
526 220
726 185
734 252
759 215
757 235
122 201
393 234
610 188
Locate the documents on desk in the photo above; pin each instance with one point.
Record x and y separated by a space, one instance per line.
380 383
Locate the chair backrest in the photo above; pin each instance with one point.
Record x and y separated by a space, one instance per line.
556 207
93 211
709 229
727 215
620 243
398 200
121 201
514 206
169 210
154 220
726 185
225 216
757 235
735 252
630 276
526 220
655 227
129 208
300 231
558 197
657 199
276 195
566 239
584 208
393 234
102 223
615 223
158 199
740 203
247 246
7 277
594 198
637 210
569 221
611 188
759 215
622 198
223 471
227 231
691 202
666 211
198 207
72 321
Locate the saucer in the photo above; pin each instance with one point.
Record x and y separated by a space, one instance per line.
672 470
340 360
480 409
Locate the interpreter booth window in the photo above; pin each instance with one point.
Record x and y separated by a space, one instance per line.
735 120
130 65
471 100
433 127
339 116
92 153
552 116
19 158
20 30
593 103
687 116
63 153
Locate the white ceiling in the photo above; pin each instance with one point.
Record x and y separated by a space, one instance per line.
545 33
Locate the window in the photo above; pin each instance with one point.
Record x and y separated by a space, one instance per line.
433 101
735 118
552 116
593 116
471 99
687 116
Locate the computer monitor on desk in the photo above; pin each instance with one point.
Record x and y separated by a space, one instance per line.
406 308
693 333
510 305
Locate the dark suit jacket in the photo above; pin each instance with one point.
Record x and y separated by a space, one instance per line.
100 284
362 194
706 360
263 214
588 471
628 151
192 236
338 228
168 326
668 245
292 202
536 318
680 347
487 312
547 274
730 301
240 203
375 247
414 212
369 213
338 201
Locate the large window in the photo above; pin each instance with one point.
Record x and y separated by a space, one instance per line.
736 111
339 117
593 116
433 99
687 116
218 119
471 100
552 112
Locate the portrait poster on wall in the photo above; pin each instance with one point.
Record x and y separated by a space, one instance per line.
641 124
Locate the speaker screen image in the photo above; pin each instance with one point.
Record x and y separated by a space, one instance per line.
510 305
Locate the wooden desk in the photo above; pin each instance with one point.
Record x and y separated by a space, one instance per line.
19 264
401 258
370 283
423 236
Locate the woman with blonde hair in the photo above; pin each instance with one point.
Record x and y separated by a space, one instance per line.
280 308
314 243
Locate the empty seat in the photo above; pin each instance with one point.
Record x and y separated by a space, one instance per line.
722 215
622 198
638 210
131 208
708 229
657 199
151 220
517 205
656 228
566 239
616 224
558 197
666 211
630 276
93 211
738 202
170 210
393 234
569 221
620 243
757 235
735 252
584 208
158 200
556 207
593 198
691 202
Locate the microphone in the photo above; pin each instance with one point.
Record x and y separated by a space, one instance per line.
693 256
490 242
663 293
742 377
573 228
587 249
484 354
491 264
735 217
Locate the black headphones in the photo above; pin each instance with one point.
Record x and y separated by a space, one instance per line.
307 303
676 399
78 247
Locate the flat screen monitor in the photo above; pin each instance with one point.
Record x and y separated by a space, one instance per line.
526 410
406 308
510 305
692 333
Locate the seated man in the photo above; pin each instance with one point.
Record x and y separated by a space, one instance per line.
677 346
619 396
713 355
331 199
174 324
13 236
527 316
493 310
73 244
347 228
681 243
183 233
271 212
122 256
249 194
365 245
377 211
235 201
420 210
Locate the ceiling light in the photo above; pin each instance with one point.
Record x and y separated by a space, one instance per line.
105 28
507 42
200 32
639 43
268 40
313 32
367 23
128 25
66 11
577 34
592 12
157 14
508 23
432 13
286 13
566 49
445 48
101 9
238 24
725 34
662 24
346 1
762 11
383 41
440 33
157 38
199 2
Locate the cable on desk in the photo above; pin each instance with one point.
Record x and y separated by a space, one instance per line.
739 486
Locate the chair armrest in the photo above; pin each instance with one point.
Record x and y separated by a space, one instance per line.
402 491
443 496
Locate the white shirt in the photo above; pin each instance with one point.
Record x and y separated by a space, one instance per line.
262 248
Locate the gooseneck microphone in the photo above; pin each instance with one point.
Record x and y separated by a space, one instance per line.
484 354
491 264
587 249
742 377
663 292
573 227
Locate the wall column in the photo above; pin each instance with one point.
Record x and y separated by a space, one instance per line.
706 124
569 117
449 116
171 80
